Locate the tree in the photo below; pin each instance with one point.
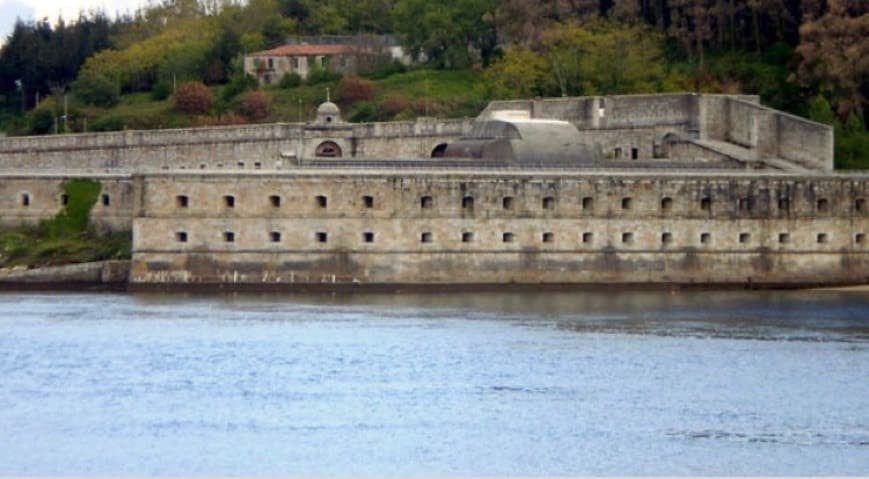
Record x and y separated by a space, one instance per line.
193 98
254 105
97 89
520 73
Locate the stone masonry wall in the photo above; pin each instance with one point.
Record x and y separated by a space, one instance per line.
467 227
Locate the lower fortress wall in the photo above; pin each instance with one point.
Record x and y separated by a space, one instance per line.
321 227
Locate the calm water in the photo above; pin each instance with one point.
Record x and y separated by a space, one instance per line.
434 385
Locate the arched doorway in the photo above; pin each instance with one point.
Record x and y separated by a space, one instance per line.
438 151
328 149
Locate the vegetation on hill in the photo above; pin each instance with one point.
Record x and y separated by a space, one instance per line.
179 63
67 238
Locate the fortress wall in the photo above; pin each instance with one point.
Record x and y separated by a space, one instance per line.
577 228
29 199
805 142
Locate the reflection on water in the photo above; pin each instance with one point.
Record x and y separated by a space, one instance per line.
557 383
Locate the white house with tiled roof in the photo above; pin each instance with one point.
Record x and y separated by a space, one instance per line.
269 66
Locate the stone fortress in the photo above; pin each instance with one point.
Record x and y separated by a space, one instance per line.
662 189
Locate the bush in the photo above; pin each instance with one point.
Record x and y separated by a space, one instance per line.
97 90
290 80
383 70
394 104
40 121
108 123
237 85
254 105
193 98
161 91
353 89
319 75
365 111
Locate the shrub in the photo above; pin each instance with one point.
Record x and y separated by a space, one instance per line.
108 123
364 111
319 75
385 69
290 80
353 89
98 90
161 91
394 104
40 121
237 85
254 105
193 98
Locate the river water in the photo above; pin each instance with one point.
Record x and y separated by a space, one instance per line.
591 383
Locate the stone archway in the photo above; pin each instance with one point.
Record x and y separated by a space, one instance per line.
328 149
438 151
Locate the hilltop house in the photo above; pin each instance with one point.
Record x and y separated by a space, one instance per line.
342 54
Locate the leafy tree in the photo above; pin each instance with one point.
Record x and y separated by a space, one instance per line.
353 89
520 73
290 80
254 105
193 98
97 89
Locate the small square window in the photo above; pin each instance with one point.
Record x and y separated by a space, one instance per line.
548 237
744 204
426 202
588 203
229 201
823 238
257 165
617 153
706 203
627 203
321 237
241 164
182 201
744 238
508 237
426 237
275 201
181 236
587 237
666 204
784 204
823 205
25 200
467 237
275 236
548 203
368 237
322 201
368 201
507 202
705 238
860 238
784 238
627 238
666 238
229 236
860 205
107 201
468 203
635 153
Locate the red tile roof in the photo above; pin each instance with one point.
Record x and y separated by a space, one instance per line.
304 50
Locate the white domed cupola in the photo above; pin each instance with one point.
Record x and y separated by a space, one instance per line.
328 113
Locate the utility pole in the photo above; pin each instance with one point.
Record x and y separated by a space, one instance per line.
65 116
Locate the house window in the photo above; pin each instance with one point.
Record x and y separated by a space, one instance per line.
823 238
666 238
182 201
508 238
368 201
275 236
426 202
322 201
426 237
587 237
548 237
321 237
229 201
784 238
705 238
548 203
275 201
467 237
368 237
229 236
627 238
468 203
627 203
181 236
744 238
666 204
588 203
706 203
507 202
271 63
823 205
107 201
